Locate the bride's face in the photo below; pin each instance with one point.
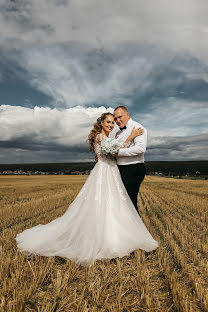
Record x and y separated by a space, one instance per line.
108 123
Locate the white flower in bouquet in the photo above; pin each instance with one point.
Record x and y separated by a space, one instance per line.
110 146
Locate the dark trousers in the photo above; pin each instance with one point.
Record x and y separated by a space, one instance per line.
132 177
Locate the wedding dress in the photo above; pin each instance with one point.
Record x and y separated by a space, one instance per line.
101 222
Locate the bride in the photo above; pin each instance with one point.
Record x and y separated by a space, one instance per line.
101 222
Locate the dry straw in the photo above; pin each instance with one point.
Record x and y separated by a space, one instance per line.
171 278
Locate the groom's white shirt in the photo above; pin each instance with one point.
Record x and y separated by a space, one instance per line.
135 152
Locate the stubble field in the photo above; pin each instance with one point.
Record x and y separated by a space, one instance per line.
174 277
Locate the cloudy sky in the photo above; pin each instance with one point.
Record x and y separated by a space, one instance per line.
64 62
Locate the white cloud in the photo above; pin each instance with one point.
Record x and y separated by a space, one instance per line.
45 134
68 127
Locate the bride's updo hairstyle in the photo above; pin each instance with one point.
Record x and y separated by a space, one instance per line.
97 128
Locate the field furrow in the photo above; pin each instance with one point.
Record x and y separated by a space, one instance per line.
183 297
171 278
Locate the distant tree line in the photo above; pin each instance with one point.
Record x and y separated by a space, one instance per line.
165 167
178 167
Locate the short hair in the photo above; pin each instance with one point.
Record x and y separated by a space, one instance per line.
123 107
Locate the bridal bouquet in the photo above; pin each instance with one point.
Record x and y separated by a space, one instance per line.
110 146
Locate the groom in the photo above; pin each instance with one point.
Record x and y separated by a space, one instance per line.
130 160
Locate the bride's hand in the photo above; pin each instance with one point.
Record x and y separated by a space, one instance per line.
136 132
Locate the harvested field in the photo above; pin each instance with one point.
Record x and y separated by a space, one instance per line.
172 278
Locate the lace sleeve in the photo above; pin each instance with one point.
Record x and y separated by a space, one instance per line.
97 145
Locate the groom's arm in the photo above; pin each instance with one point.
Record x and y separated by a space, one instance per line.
139 147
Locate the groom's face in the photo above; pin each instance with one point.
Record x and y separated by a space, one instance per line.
121 117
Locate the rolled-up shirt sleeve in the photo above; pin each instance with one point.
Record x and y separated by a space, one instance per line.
140 144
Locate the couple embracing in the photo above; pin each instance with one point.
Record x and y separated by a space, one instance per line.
103 221
130 157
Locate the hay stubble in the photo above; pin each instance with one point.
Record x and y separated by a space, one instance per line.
172 278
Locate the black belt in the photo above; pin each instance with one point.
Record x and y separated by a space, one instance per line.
137 164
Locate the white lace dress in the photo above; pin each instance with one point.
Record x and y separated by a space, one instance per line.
101 222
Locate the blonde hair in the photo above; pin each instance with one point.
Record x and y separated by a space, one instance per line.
97 128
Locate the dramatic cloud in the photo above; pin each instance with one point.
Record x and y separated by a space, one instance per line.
180 25
45 134
179 148
87 53
63 62
141 76
46 127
